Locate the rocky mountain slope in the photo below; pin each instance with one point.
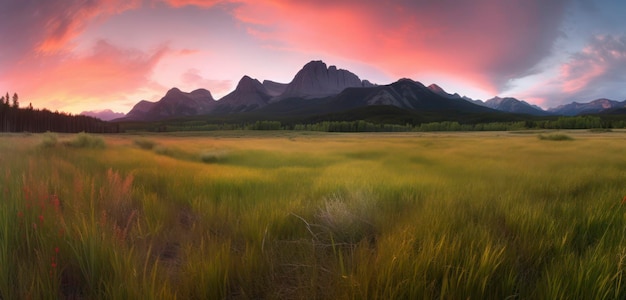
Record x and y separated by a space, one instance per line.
318 89
594 106
250 94
175 103
512 105
316 80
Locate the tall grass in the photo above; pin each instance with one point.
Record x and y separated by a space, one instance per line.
404 216
86 140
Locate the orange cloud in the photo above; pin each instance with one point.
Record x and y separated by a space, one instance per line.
108 72
488 42
199 3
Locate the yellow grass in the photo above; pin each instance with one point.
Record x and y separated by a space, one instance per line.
288 215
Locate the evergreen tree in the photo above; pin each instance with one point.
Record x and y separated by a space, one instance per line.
16 103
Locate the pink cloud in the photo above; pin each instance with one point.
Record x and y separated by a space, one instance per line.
64 22
194 80
603 61
44 30
107 72
188 51
596 71
487 42
199 3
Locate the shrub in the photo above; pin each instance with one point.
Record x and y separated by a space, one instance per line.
346 221
555 137
162 150
212 156
145 144
49 140
85 140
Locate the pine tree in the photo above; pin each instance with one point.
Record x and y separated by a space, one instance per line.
16 103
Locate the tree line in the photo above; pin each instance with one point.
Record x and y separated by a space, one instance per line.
16 119
577 122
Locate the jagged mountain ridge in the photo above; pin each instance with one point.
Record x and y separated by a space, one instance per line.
409 94
175 103
316 80
595 106
439 90
250 94
405 94
328 86
512 105
139 110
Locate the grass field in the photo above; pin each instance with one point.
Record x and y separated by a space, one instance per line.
287 215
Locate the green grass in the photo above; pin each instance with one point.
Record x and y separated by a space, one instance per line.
322 216
85 140
145 143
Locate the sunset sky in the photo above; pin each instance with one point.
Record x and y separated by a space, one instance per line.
75 55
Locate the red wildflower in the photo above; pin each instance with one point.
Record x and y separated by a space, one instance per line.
624 200
40 219
20 214
26 193
55 202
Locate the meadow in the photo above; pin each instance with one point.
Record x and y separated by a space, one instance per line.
305 215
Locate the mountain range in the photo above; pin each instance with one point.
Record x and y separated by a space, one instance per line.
595 106
321 90
105 114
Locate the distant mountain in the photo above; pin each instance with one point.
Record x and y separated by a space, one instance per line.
316 80
249 95
318 90
615 111
105 115
405 94
175 103
413 95
513 105
140 110
595 106
253 97
438 90
274 88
